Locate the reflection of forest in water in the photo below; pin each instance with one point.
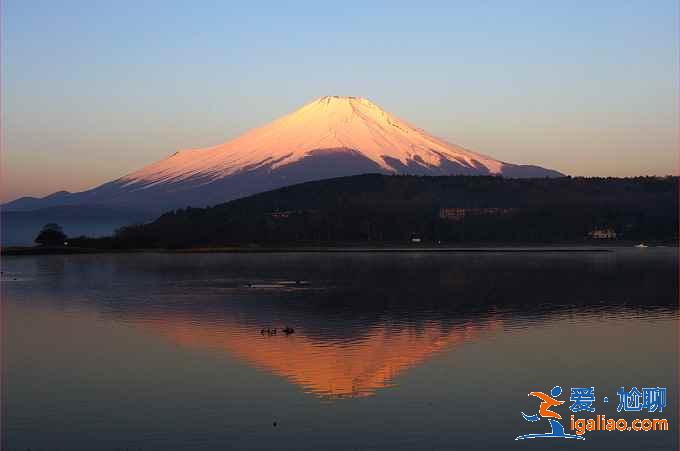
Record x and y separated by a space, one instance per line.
385 348
360 320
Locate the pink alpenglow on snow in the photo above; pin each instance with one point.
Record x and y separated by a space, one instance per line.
327 123
330 137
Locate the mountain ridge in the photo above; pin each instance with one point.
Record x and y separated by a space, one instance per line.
332 136
373 208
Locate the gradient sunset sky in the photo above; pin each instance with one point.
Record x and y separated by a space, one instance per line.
92 90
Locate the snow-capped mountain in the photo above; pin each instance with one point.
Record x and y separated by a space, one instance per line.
329 137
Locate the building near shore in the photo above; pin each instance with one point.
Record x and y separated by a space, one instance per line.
602 234
458 214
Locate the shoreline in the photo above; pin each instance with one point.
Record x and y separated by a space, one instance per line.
347 248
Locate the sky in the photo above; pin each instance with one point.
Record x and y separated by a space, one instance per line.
94 89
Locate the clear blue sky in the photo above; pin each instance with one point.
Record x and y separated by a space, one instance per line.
94 89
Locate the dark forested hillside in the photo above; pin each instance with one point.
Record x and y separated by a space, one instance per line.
452 210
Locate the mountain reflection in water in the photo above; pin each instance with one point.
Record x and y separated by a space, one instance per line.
325 367
360 322
399 351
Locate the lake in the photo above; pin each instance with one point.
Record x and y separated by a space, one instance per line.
382 351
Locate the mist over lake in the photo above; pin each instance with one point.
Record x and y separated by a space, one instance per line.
383 351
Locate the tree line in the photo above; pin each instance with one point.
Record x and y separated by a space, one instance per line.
391 209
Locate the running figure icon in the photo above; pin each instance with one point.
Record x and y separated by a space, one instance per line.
547 403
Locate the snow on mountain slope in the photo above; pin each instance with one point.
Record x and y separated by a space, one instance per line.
326 123
329 137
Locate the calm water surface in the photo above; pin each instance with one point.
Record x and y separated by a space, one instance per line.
389 351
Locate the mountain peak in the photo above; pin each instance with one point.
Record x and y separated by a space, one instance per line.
336 98
331 136
345 100
329 123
